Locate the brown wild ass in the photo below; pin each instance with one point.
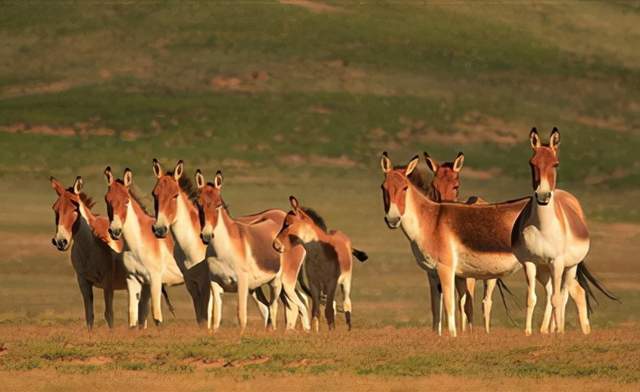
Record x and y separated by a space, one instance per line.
94 254
444 187
247 245
176 209
326 273
551 238
150 262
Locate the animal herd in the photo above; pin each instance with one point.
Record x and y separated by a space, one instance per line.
291 257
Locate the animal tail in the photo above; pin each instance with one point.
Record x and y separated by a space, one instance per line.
165 294
586 279
360 255
502 287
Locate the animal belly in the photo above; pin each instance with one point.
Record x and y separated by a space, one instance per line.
486 266
223 273
541 248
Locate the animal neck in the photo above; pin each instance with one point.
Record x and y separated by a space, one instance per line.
226 234
419 215
136 221
545 216
82 231
186 230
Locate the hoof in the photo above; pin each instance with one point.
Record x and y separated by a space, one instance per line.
347 316
157 322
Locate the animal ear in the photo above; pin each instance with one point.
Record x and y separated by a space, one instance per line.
199 179
534 138
385 163
77 185
177 172
431 163
411 166
554 139
157 169
108 175
57 186
457 164
295 204
217 180
127 177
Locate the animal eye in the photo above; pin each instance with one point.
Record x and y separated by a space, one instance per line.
405 188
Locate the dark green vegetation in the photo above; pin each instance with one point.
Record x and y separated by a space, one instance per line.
302 100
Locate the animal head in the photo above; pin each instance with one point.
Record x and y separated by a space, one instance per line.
117 199
446 178
394 189
165 197
297 226
544 165
210 203
67 212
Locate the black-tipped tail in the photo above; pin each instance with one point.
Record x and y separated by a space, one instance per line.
360 255
502 287
586 279
165 294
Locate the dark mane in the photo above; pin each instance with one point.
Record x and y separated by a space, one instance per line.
317 219
419 178
186 185
134 192
86 200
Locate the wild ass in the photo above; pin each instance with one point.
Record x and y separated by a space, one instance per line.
150 262
176 208
94 254
444 187
551 238
326 273
247 244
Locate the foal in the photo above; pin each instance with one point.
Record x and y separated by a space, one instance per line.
150 262
94 254
325 273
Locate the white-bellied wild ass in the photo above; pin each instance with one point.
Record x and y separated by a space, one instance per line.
94 254
247 244
551 237
324 274
444 187
150 261
176 208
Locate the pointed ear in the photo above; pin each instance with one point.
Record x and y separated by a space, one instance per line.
157 169
457 164
217 180
294 203
411 166
534 138
177 172
77 185
57 186
385 163
199 179
127 177
108 175
431 163
554 139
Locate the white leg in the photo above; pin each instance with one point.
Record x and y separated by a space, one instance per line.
346 305
156 298
487 302
530 271
134 290
557 300
243 294
216 294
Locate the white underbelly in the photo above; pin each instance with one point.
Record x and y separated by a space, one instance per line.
486 266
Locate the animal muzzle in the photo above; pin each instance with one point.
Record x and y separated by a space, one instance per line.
392 222
543 198
160 231
115 233
60 243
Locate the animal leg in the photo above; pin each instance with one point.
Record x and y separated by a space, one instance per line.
468 305
447 280
243 294
87 298
461 289
315 306
276 288
329 309
579 296
108 305
436 301
557 267
346 293
487 302
216 295
143 306
530 273
262 304
156 299
547 326
134 290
